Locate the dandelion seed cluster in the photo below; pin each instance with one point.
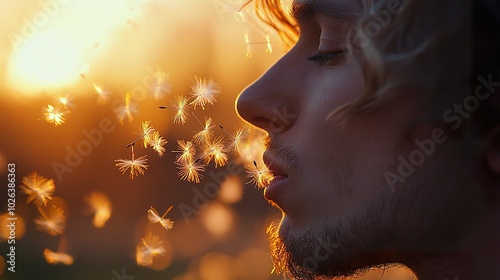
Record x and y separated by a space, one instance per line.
193 156
189 162
51 218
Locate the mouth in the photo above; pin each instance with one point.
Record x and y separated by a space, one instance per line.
275 190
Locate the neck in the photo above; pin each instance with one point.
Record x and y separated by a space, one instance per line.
476 256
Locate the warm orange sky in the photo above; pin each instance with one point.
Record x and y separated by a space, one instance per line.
55 48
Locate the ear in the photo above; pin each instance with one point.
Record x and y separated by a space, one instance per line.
493 150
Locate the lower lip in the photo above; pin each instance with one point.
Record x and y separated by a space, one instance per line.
276 186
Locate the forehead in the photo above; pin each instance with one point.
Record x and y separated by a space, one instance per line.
341 9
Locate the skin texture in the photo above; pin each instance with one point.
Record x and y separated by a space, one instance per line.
340 214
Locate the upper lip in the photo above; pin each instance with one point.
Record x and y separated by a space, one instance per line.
277 168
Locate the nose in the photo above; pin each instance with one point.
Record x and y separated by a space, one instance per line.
272 102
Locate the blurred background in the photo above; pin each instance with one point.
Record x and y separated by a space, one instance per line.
77 79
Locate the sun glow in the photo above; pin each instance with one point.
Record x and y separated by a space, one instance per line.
47 61
48 54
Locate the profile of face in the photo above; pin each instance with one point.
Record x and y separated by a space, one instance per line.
377 187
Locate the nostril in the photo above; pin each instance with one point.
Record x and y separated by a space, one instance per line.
262 122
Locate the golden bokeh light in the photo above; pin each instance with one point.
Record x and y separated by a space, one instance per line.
60 256
217 266
218 219
4 228
57 257
231 190
100 207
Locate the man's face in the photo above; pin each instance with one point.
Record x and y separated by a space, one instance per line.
339 212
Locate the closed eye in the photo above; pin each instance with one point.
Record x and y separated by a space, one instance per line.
328 59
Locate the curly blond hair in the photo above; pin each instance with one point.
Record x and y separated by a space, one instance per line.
424 47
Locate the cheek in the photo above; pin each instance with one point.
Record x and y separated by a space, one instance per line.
331 88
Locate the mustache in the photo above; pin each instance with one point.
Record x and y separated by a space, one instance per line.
282 153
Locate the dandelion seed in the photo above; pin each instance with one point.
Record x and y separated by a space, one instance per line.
182 110
146 132
249 46
160 87
206 133
52 257
237 138
269 46
150 247
102 94
100 206
56 114
60 256
157 142
38 188
190 170
186 150
64 100
216 151
253 147
260 178
204 92
127 109
153 244
53 222
136 165
154 217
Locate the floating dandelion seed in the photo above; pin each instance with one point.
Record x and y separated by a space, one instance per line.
206 133
237 138
216 151
53 222
100 206
189 170
102 95
52 257
204 92
146 133
136 165
127 109
154 217
269 46
38 188
259 177
161 87
56 114
149 248
60 256
182 110
64 100
187 151
252 148
157 142
249 46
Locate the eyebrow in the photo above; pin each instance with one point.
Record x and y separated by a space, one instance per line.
330 9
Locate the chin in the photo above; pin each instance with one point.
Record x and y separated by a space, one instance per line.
323 253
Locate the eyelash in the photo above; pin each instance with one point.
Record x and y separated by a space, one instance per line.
324 58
